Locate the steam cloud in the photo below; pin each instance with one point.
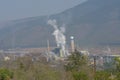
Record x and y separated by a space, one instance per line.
82 1
58 33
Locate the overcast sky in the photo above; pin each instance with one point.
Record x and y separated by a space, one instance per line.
16 9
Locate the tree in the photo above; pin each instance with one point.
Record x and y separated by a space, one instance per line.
77 66
117 63
26 69
102 75
5 74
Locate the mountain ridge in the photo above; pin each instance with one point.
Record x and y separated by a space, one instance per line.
95 22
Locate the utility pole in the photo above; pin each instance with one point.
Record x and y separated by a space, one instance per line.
94 67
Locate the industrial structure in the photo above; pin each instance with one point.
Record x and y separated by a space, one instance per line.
60 51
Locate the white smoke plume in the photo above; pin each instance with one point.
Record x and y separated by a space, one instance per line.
62 28
58 33
83 1
53 23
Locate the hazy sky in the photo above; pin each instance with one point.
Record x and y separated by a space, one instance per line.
16 9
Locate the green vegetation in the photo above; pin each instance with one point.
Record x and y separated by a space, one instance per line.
102 75
26 69
29 70
76 67
5 74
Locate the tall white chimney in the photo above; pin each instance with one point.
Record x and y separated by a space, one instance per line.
72 44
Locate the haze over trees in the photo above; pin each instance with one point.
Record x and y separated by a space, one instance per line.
76 67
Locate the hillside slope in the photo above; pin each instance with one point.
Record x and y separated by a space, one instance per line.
95 22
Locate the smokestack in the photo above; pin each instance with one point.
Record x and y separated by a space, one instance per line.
48 46
72 44
48 51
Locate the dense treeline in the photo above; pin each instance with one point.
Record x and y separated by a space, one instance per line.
76 67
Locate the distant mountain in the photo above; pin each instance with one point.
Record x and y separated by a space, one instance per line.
95 22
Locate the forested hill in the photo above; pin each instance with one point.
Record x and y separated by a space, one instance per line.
95 22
